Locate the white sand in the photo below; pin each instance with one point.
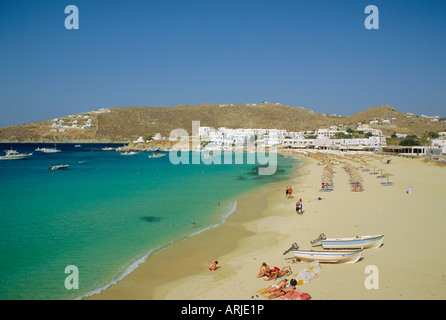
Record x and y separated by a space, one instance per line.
411 262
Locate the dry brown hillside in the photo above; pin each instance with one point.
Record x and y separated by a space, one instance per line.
128 123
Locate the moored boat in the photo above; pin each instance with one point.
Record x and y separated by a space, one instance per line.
329 256
59 166
14 155
50 150
158 155
127 153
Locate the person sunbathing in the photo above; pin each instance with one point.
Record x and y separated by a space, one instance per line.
284 291
285 271
281 284
264 270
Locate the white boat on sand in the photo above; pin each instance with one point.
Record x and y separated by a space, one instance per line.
329 256
14 155
358 242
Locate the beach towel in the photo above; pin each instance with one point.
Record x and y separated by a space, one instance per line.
292 295
296 295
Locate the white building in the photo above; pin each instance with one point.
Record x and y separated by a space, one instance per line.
366 129
157 136
225 137
439 144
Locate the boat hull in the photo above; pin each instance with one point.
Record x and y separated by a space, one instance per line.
336 256
14 157
59 167
157 156
365 242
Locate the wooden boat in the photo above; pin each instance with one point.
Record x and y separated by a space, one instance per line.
329 256
365 242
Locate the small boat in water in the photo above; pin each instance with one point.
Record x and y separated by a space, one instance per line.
14 155
158 155
365 242
59 166
127 153
50 150
329 256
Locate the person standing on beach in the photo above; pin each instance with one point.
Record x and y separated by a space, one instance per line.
287 192
290 192
299 207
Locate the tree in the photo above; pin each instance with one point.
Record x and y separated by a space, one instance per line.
433 135
409 142
342 135
350 130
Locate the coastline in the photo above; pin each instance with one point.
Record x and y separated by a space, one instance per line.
193 255
411 263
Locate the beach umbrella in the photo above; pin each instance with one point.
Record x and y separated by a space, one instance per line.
374 169
327 180
380 173
387 174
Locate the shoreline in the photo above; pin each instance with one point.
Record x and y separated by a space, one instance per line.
213 243
411 263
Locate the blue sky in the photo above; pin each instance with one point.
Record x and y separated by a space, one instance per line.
313 54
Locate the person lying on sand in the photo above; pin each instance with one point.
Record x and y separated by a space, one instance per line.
285 271
264 270
281 284
282 292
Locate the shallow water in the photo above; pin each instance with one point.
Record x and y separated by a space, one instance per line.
105 214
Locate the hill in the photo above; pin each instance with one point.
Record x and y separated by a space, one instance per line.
126 124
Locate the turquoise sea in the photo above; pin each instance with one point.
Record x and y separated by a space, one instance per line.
105 214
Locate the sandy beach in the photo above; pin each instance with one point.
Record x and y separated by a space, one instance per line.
411 263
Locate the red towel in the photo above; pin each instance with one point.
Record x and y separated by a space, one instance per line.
295 295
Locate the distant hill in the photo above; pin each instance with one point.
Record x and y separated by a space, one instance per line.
126 124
